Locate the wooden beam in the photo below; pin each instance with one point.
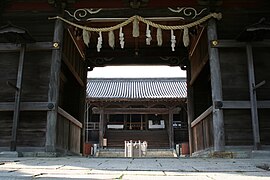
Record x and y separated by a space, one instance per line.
235 105
216 85
16 113
136 111
54 83
66 115
197 41
38 46
190 109
263 104
253 98
244 105
232 43
28 106
206 113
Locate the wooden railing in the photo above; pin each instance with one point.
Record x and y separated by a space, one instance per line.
202 130
92 126
68 132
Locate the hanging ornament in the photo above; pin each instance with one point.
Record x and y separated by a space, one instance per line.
173 40
186 37
136 30
111 40
159 37
121 38
86 37
99 43
148 35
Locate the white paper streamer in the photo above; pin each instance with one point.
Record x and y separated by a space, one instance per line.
159 37
111 40
148 35
173 40
136 30
186 37
86 37
99 44
121 38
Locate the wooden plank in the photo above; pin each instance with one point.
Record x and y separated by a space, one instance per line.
199 69
54 83
73 71
216 85
202 116
9 47
253 98
28 106
16 113
69 117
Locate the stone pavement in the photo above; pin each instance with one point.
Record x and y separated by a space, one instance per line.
128 168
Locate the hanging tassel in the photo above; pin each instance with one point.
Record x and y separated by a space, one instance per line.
99 44
186 37
148 35
159 37
86 37
136 30
121 38
173 40
111 40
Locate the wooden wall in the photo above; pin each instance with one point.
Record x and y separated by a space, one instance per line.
262 66
72 97
34 89
234 72
200 82
234 69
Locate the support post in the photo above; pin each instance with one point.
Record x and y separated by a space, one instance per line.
101 127
216 85
253 98
16 113
53 93
171 133
190 108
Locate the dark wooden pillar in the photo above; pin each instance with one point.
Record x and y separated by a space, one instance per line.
101 127
216 85
253 98
170 128
53 93
125 121
190 109
16 113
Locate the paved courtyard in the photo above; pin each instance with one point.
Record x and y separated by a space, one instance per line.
124 168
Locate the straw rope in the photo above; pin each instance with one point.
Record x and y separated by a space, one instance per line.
139 18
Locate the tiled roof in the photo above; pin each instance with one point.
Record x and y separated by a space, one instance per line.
134 88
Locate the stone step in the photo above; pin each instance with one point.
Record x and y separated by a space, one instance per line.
150 153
